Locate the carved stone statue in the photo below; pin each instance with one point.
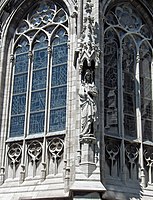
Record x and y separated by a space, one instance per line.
87 93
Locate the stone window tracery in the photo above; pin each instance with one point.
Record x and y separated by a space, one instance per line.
40 72
38 94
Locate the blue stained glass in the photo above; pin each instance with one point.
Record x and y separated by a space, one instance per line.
42 40
37 122
39 79
58 97
18 104
59 75
40 59
38 100
17 126
21 64
60 54
57 120
20 83
22 47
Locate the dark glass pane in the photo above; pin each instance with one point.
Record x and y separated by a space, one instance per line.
110 77
40 58
57 120
21 64
37 122
20 83
146 109
147 129
129 103
129 84
59 75
38 101
58 97
17 126
18 104
129 126
39 79
145 87
59 54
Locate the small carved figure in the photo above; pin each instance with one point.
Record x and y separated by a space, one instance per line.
87 93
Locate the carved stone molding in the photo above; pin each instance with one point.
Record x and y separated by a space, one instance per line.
35 152
132 153
14 154
55 148
112 149
148 156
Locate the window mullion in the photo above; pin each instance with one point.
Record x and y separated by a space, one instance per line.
26 125
28 99
152 92
138 98
120 93
46 123
138 115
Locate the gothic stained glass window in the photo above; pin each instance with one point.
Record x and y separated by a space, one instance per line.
129 83
39 88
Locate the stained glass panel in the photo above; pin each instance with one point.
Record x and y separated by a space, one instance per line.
57 120
129 125
18 104
21 64
58 97
20 83
17 126
39 79
22 47
40 59
38 100
37 123
59 75
59 54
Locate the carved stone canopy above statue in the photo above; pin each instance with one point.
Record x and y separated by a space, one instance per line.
88 47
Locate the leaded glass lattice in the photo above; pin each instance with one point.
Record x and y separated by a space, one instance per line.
39 88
